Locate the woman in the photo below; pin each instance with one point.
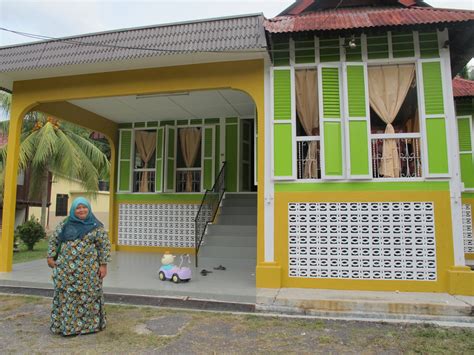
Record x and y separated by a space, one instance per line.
78 253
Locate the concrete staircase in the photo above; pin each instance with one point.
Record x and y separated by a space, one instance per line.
234 234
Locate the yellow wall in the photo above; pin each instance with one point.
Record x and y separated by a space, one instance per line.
469 200
443 230
99 201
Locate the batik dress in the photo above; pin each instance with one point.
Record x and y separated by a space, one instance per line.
78 301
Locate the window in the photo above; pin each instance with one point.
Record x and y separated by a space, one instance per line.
307 124
61 204
394 121
144 161
188 163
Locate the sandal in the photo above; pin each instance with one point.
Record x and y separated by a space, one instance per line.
220 267
204 272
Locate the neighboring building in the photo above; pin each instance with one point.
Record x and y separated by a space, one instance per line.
464 99
23 201
63 192
339 115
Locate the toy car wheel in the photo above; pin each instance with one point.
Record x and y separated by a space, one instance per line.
162 276
175 278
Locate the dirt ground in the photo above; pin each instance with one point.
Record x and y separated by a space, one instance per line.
138 330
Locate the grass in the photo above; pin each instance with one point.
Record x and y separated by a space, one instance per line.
39 252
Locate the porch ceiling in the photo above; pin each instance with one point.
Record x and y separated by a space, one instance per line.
185 105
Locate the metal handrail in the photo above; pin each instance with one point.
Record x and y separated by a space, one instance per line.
208 209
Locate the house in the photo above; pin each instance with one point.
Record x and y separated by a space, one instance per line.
463 97
329 132
63 192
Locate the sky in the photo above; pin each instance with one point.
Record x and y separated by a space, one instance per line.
59 18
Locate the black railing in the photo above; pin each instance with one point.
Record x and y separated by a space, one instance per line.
208 209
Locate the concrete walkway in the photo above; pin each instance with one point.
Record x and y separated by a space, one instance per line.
133 279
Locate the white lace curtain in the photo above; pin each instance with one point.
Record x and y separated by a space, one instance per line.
308 114
388 88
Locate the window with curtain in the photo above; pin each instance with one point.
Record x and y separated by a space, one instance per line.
188 162
144 161
307 124
394 120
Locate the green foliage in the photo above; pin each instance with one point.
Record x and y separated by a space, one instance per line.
30 232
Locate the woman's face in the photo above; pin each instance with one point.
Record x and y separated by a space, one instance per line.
81 211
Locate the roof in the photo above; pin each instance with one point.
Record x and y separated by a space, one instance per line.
238 33
365 17
463 87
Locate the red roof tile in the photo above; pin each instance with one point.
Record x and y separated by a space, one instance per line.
365 17
463 87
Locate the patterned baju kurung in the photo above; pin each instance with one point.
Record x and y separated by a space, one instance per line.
78 301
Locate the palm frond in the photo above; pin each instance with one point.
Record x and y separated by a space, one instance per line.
46 145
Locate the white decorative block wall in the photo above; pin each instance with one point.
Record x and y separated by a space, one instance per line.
157 225
354 240
467 228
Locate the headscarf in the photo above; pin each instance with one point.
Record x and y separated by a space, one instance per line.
76 228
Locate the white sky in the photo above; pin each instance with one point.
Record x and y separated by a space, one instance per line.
58 18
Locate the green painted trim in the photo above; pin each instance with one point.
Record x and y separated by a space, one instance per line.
125 125
282 150
124 167
333 149
359 149
182 123
125 145
165 123
139 124
437 146
211 120
158 197
196 121
363 186
231 120
152 124
467 195
231 156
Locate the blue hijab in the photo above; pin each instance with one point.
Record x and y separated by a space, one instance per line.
76 228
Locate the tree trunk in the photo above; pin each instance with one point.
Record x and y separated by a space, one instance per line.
44 197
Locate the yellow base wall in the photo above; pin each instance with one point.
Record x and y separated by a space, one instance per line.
443 232
461 281
469 199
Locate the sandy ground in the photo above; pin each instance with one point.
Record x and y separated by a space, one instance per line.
24 324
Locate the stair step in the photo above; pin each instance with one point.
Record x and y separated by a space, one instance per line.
238 210
240 196
239 202
241 219
221 240
232 230
228 252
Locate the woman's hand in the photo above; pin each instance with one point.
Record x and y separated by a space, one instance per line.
102 271
51 263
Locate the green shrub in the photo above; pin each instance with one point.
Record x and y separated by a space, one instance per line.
30 232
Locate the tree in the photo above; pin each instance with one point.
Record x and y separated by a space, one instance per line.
48 145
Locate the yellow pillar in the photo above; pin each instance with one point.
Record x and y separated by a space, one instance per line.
9 192
113 235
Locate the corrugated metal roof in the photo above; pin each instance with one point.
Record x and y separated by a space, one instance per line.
365 17
463 87
213 35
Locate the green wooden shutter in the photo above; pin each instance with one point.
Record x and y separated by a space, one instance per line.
435 122
331 118
208 158
355 85
125 160
160 136
283 116
465 150
232 153
170 156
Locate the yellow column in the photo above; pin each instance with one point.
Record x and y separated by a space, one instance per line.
113 236
9 192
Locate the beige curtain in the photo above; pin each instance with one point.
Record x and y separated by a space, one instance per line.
190 139
388 87
146 145
308 114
